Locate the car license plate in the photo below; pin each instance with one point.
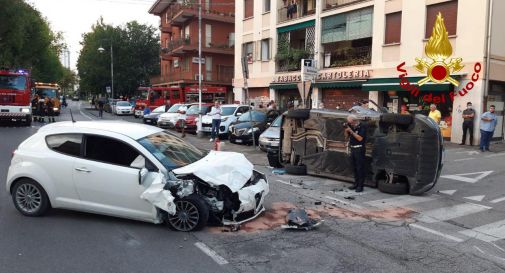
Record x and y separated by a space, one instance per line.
238 140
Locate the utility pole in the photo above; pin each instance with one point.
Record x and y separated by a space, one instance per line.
112 70
199 123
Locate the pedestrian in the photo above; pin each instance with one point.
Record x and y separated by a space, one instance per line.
147 111
215 112
468 118
338 107
41 109
435 114
487 125
364 104
49 109
35 103
167 105
100 107
356 132
182 118
404 110
261 106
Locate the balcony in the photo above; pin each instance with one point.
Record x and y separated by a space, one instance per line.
183 45
289 12
350 56
292 47
333 4
223 75
166 29
180 13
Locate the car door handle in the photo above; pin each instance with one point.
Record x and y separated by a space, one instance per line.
83 170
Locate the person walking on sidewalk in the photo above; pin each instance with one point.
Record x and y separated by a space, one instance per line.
487 125
182 119
468 117
100 107
356 132
215 112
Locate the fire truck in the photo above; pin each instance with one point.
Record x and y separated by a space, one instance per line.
15 96
51 91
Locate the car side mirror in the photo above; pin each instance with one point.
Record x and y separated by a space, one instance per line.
142 175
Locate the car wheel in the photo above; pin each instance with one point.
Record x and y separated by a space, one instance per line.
30 198
393 188
192 213
296 169
28 122
298 113
396 118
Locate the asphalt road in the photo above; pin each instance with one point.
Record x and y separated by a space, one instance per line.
457 227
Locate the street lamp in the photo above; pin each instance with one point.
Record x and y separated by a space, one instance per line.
101 50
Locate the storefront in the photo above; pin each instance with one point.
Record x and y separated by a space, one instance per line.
496 97
286 94
259 95
341 94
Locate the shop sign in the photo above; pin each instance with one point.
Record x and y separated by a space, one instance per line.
327 76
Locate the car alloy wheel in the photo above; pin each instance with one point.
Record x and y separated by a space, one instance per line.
28 198
186 217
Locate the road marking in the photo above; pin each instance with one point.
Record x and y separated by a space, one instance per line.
400 201
447 236
497 200
289 184
476 197
480 250
447 213
344 202
469 152
454 150
487 233
494 155
448 192
462 176
211 253
464 159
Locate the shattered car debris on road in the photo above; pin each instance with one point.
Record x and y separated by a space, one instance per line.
133 171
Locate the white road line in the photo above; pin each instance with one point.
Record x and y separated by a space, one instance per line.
289 184
85 115
400 201
497 200
447 236
494 155
480 250
447 213
487 233
344 202
464 159
211 253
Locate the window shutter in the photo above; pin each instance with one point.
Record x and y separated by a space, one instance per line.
248 8
449 12
393 28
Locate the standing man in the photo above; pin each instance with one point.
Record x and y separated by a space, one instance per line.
100 107
356 132
167 105
35 103
435 114
182 119
487 124
215 112
468 117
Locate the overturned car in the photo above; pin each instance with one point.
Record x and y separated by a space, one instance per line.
133 171
403 152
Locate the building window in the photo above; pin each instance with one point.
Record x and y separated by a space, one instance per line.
248 8
208 68
265 49
248 49
185 63
208 35
186 32
393 32
266 5
449 12
231 39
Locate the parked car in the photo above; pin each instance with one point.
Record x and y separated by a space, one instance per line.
243 130
403 152
124 108
152 118
75 98
169 118
229 114
269 139
110 105
132 171
192 117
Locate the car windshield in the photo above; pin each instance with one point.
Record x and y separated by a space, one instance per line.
227 111
46 92
174 108
193 110
160 109
277 122
171 151
123 103
256 116
12 82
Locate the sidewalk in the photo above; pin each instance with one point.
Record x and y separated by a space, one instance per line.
496 146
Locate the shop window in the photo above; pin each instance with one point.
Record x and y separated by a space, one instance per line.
248 8
265 49
393 30
449 12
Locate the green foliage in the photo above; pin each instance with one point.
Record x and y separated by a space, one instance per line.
26 41
289 59
135 52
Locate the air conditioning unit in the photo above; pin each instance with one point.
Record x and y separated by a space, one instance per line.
197 77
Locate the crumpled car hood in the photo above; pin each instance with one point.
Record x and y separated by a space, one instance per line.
221 168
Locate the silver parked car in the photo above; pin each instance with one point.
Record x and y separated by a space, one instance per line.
270 138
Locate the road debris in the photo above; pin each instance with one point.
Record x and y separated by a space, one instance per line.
350 197
299 219
278 171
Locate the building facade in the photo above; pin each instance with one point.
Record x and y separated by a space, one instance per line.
362 47
179 47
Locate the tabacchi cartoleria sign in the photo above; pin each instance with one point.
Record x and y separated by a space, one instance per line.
325 76
438 69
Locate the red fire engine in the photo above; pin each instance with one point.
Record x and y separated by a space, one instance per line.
15 96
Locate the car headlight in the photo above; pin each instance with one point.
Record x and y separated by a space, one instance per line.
55 109
262 139
254 129
25 110
197 119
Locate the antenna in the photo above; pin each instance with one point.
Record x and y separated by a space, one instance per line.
72 116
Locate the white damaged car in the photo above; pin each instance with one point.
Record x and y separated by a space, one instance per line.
132 171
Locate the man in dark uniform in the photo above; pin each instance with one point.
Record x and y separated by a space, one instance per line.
468 116
356 132
35 104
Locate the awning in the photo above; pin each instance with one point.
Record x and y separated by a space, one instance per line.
284 86
301 25
340 84
393 84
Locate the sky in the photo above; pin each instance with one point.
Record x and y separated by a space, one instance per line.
75 17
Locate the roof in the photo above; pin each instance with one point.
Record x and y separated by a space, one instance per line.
159 6
129 129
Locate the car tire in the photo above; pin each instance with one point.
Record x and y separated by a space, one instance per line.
296 169
38 202
398 119
192 213
298 113
392 188
273 158
28 122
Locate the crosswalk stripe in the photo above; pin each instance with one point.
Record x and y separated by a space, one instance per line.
399 201
447 213
497 200
487 233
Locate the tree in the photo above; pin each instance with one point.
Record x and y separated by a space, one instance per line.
136 57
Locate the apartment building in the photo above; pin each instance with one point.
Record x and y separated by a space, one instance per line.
358 45
179 47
